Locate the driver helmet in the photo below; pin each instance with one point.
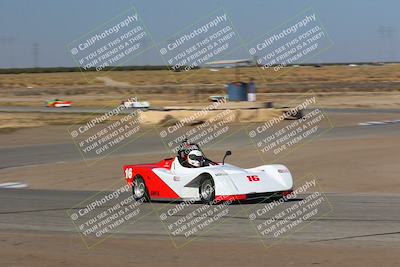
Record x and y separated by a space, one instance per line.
195 158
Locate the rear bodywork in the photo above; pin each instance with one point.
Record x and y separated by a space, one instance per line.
169 180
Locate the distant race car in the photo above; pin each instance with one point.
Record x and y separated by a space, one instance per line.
136 104
57 103
171 179
216 98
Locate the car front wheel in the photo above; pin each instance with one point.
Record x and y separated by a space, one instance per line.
207 190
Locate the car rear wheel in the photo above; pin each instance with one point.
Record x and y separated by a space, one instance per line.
207 190
139 189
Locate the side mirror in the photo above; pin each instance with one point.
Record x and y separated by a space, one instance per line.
227 153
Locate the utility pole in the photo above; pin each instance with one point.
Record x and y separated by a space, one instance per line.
35 53
9 49
386 33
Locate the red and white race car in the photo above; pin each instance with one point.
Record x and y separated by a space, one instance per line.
171 179
57 103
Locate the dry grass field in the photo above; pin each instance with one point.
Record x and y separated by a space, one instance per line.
97 89
335 86
365 74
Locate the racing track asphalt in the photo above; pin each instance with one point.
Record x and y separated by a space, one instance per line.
366 217
97 110
354 217
15 156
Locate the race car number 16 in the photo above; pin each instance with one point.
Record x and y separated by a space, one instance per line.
253 178
128 173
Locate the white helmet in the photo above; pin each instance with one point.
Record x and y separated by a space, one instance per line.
196 158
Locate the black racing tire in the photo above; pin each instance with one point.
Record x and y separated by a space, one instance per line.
207 190
299 114
139 189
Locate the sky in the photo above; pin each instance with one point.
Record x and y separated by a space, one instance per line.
38 32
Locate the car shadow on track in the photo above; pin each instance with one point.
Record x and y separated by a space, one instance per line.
237 202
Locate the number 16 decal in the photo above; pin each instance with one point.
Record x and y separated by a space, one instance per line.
253 178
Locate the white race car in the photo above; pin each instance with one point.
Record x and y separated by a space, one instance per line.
173 179
136 104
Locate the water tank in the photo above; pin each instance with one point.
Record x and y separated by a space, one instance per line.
237 91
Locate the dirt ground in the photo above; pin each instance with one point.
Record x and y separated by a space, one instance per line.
59 249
